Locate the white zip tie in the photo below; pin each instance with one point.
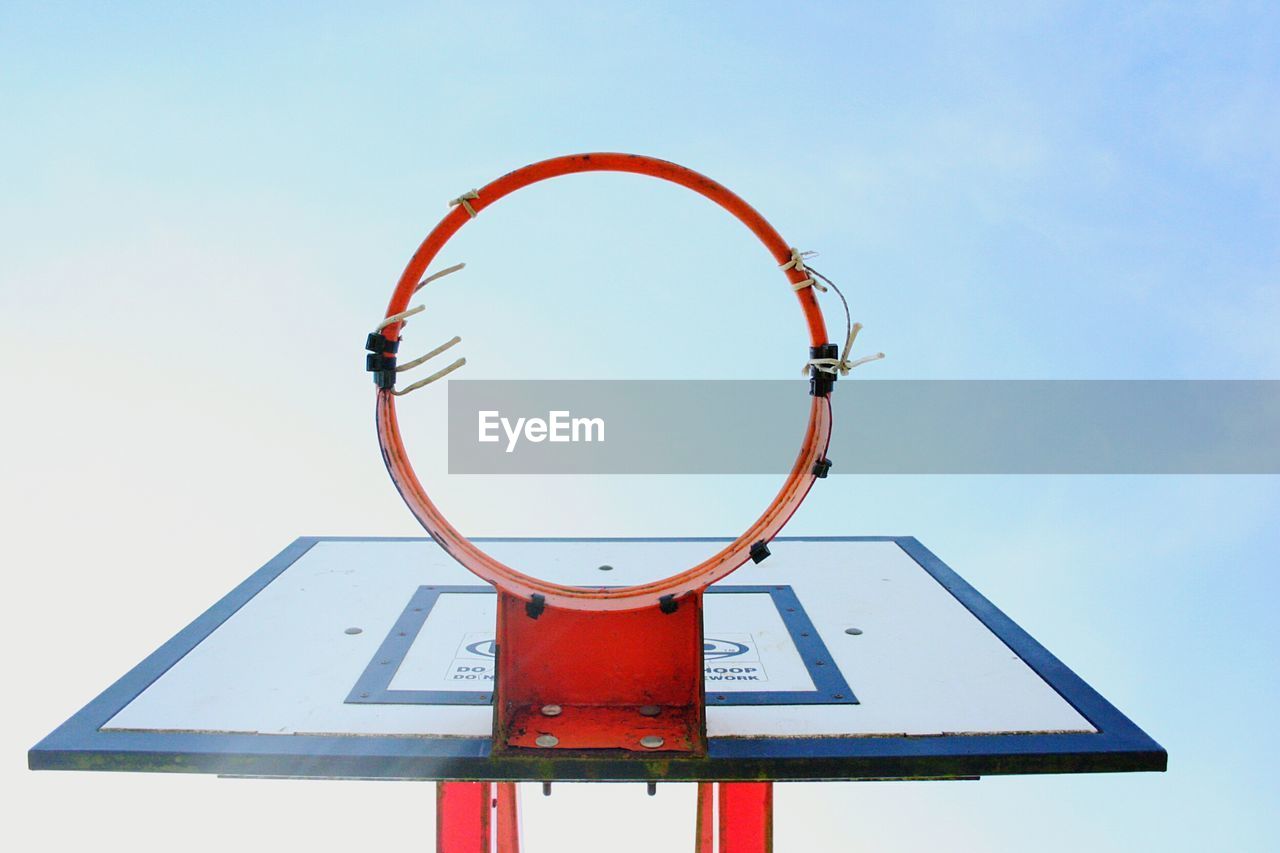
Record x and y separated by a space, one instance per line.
410 365
797 260
797 263
809 282
842 365
432 378
434 276
465 200
403 315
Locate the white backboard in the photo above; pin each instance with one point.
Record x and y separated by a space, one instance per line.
834 658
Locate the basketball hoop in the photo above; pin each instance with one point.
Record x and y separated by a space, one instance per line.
330 660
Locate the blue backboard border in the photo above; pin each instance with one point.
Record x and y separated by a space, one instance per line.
1117 745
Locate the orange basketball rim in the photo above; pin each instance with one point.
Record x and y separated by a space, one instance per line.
752 544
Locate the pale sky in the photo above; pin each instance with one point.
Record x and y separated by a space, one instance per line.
205 207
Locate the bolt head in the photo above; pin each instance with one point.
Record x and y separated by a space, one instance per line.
547 740
650 710
353 631
651 741
853 631
551 710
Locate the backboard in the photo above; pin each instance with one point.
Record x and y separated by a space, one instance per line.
838 658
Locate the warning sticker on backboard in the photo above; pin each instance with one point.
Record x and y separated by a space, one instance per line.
747 647
473 661
730 659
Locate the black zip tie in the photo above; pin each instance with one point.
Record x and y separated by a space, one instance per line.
759 552
376 361
383 368
535 605
822 468
668 603
378 342
820 381
381 360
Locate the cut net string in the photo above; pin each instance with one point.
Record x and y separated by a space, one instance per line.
423 359
439 374
444 272
418 309
841 365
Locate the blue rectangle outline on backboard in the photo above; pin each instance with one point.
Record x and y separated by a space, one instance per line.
373 687
1117 745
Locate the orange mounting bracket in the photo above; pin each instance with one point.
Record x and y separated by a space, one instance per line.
582 679
555 686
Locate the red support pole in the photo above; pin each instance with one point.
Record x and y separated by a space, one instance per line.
746 817
508 817
706 818
462 817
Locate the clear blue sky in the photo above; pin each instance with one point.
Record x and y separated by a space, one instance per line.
1017 190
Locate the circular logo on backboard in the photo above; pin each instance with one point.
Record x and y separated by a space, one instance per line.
716 649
